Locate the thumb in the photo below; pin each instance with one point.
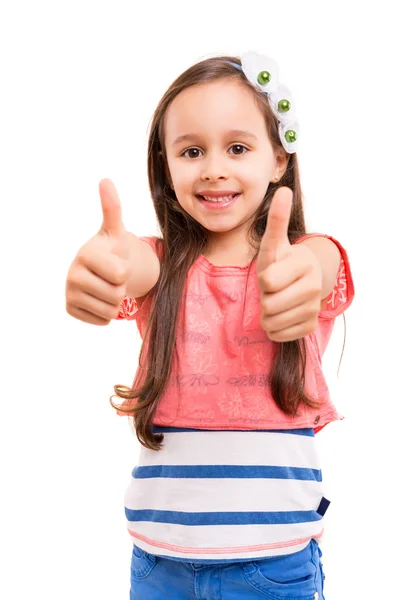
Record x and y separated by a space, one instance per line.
275 240
112 224
111 207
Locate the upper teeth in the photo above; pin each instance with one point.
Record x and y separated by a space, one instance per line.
219 198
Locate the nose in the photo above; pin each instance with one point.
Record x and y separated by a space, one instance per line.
214 168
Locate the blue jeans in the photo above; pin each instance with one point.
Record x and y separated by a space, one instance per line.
297 576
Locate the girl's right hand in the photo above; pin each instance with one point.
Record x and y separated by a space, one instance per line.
98 276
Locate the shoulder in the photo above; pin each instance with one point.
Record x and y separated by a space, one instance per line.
324 243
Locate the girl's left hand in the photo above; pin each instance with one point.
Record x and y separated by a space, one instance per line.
289 277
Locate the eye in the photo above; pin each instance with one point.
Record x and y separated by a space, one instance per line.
237 149
191 150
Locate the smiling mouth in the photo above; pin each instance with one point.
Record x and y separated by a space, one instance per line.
218 199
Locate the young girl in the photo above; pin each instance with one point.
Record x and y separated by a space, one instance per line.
235 304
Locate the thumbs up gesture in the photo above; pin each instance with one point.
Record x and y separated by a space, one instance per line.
289 277
97 279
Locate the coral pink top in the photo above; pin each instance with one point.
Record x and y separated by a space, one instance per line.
221 370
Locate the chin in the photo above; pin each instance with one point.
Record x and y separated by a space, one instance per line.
218 227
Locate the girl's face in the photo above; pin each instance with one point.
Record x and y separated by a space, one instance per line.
219 155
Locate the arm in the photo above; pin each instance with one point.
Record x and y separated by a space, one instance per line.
144 267
328 255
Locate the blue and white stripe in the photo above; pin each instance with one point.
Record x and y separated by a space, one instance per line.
215 496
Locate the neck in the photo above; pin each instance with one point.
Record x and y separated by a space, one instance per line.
228 249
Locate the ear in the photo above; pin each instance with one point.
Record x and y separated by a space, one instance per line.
281 162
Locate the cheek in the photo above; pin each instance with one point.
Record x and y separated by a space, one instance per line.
184 182
183 176
255 182
255 173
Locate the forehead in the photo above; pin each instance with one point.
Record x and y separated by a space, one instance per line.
212 107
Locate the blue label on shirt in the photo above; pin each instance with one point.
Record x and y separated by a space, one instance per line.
323 506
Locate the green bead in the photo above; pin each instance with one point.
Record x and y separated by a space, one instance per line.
264 77
290 136
283 105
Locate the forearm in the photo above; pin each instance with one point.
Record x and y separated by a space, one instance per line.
328 255
144 267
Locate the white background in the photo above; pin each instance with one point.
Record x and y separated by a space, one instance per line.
79 83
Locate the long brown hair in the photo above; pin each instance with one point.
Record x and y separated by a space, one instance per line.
183 240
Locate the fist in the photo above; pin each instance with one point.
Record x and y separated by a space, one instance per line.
98 276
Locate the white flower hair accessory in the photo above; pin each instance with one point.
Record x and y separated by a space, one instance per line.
263 73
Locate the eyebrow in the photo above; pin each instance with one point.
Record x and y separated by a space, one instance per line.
232 133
